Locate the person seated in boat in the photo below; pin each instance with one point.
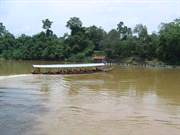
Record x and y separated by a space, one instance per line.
85 70
45 72
34 72
60 71
77 71
89 70
74 71
81 71
93 70
49 72
63 72
57 72
68 71
38 71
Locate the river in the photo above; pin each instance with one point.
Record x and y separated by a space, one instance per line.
127 100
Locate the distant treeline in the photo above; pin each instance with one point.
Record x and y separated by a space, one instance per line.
82 43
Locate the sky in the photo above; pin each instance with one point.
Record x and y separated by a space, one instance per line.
25 16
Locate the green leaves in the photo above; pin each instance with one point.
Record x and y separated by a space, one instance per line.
170 42
141 30
124 31
80 45
75 25
47 25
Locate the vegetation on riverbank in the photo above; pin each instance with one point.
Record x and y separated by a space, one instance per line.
121 44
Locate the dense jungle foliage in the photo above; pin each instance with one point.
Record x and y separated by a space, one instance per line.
84 42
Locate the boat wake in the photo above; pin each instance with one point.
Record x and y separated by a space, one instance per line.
14 76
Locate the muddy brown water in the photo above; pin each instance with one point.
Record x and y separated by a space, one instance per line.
127 100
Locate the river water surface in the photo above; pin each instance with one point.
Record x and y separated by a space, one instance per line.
127 100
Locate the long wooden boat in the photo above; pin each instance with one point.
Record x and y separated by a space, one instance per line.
71 68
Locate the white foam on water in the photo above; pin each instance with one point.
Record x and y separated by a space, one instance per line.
14 76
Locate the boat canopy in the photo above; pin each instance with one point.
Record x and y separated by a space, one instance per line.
69 65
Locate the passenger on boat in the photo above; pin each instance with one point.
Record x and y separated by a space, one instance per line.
57 72
60 72
38 71
34 72
80 71
45 72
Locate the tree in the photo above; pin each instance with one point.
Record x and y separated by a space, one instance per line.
120 27
141 30
47 25
124 31
2 29
75 25
169 48
110 43
23 47
7 44
153 45
96 35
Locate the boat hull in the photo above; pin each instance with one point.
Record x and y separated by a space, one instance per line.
66 73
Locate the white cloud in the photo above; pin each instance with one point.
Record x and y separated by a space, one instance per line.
26 16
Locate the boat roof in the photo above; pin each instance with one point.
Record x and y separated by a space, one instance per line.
69 65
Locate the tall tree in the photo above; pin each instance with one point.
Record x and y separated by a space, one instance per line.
75 25
120 28
47 25
124 31
2 29
141 30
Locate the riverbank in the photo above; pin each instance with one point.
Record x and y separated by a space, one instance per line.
1 59
136 61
